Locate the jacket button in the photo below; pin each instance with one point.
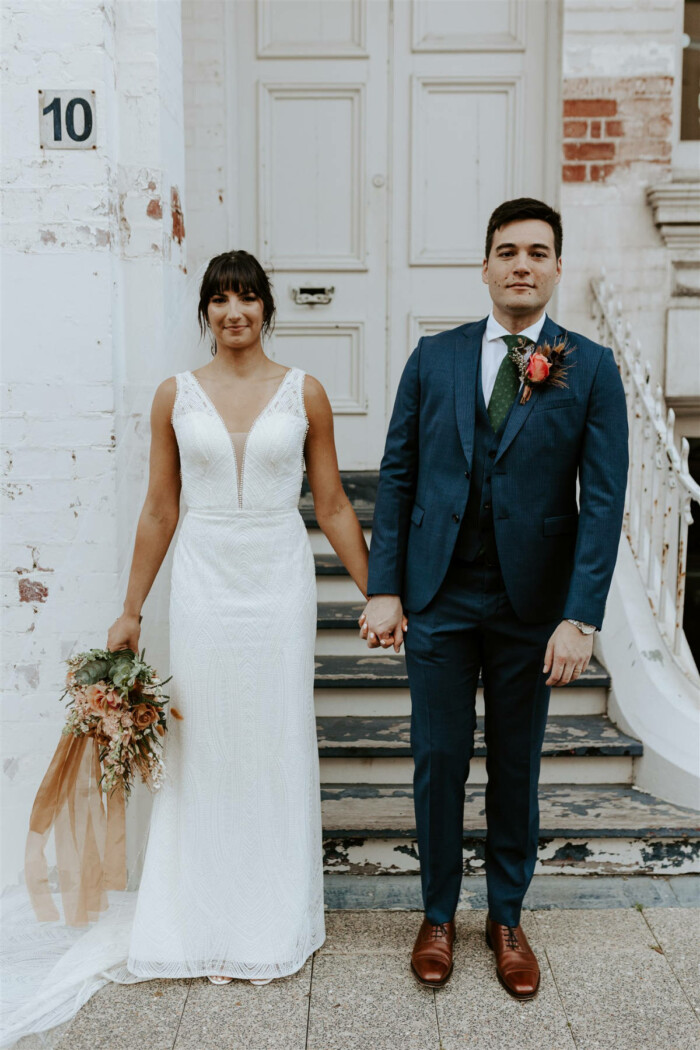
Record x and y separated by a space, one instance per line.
487 506
455 518
467 474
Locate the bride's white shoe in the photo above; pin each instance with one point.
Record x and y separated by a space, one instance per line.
218 979
260 980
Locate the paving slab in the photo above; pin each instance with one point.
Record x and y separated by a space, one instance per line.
129 1016
678 932
474 1010
612 979
360 933
241 1016
619 992
369 1001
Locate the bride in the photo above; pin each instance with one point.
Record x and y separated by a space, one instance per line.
232 882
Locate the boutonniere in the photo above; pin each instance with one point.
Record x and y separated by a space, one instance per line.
544 366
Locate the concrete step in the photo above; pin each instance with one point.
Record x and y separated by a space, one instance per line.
321 545
333 582
361 489
583 749
584 829
387 737
383 670
356 695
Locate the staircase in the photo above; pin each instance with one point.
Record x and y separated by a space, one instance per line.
592 818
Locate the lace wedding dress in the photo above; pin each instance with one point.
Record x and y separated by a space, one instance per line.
232 879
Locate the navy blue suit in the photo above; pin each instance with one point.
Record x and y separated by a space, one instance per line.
549 557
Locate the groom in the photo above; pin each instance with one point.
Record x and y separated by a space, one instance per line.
479 541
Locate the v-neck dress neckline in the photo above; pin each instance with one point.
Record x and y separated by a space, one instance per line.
237 452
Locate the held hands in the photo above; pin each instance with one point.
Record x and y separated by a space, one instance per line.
568 654
383 622
124 633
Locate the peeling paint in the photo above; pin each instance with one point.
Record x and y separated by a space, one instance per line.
154 209
10 767
376 856
13 489
30 673
654 654
178 218
35 567
32 591
47 236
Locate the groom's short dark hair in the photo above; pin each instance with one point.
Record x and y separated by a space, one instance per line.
524 208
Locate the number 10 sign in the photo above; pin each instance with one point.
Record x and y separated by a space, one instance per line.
67 119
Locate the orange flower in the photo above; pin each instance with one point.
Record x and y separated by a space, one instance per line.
144 715
95 697
112 700
537 368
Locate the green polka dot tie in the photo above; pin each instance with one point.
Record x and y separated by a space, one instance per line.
507 382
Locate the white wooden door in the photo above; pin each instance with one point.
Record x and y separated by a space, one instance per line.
476 117
370 140
310 105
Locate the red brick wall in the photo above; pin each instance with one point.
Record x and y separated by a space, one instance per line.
613 122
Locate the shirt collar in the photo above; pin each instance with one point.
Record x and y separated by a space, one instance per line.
494 330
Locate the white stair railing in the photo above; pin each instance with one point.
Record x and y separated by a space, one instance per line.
660 488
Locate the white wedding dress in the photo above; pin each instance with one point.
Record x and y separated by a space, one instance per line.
232 880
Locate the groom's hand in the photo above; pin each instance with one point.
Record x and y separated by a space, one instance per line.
568 654
383 622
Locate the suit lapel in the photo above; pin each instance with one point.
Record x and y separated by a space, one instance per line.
466 365
519 413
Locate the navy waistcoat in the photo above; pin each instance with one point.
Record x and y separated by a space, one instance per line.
476 531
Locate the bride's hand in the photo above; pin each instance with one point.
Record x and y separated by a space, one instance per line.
124 633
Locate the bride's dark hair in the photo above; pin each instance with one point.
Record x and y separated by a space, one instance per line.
238 272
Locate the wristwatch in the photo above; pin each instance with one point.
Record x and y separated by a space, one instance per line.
584 628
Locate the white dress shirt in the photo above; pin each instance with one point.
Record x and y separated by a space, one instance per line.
493 350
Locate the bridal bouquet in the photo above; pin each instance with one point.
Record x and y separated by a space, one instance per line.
115 722
118 699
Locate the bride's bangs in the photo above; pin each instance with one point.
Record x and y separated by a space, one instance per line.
237 272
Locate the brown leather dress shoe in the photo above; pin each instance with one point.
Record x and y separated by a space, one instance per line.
516 965
431 960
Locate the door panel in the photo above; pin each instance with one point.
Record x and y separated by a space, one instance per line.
470 96
312 167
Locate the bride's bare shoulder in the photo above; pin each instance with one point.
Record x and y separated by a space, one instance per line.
314 392
164 399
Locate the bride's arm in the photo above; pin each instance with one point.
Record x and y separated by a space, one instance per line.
158 519
333 509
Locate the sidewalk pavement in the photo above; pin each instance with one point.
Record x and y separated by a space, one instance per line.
619 972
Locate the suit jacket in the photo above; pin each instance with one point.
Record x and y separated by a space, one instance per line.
557 555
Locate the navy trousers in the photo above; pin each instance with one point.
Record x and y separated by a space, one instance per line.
470 626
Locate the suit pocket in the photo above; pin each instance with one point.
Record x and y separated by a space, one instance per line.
563 523
559 402
417 514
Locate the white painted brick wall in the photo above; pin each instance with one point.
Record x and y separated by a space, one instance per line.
91 270
619 37
204 49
